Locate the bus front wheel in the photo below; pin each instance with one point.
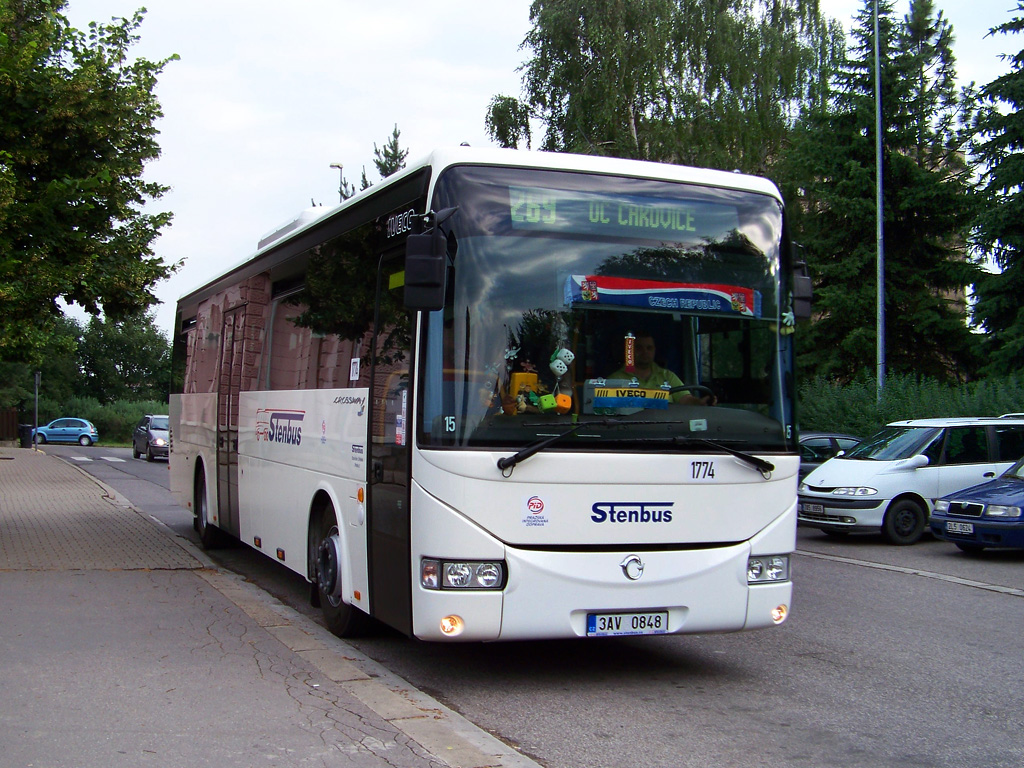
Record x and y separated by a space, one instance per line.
341 618
209 536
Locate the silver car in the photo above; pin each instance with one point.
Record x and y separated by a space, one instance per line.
151 437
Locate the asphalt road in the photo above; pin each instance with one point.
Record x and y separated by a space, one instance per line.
904 656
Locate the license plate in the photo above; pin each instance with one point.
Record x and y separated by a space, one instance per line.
617 624
954 527
813 509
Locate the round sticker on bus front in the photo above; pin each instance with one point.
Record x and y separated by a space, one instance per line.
533 512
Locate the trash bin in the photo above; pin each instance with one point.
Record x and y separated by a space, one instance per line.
25 435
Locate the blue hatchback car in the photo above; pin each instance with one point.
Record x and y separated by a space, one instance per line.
67 431
986 515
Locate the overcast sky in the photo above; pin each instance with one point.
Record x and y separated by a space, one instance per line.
267 95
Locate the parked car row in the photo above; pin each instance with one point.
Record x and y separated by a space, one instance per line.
962 479
150 437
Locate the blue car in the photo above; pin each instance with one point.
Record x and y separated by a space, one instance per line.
67 431
986 515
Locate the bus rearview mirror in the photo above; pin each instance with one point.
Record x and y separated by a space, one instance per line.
803 290
425 269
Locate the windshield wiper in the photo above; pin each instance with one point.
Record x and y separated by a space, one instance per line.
509 462
762 466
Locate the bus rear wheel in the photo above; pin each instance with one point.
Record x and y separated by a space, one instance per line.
341 618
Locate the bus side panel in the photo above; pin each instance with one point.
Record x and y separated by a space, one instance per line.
193 421
293 444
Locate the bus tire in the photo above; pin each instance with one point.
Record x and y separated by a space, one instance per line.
904 522
341 618
209 536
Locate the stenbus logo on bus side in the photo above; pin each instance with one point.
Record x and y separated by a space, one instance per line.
279 426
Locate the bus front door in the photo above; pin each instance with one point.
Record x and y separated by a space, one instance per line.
390 439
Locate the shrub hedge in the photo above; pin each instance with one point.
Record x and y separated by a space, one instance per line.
114 421
855 408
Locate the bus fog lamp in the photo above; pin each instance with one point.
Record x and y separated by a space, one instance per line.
779 613
452 626
767 568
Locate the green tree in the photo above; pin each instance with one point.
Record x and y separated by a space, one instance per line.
701 82
928 204
128 359
391 157
59 365
388 160
1000 227
78 126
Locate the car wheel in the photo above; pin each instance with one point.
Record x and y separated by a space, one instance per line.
342 619
149 454
904 523
210 536
40 438
969 548
85 441
135 451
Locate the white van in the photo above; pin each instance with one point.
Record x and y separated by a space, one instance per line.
889 482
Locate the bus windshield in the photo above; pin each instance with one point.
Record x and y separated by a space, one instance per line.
648 310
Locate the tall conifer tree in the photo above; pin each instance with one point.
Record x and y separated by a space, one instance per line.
1000 308
928 204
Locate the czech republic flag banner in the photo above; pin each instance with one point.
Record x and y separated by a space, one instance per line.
653 294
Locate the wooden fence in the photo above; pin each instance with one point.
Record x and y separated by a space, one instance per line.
8 423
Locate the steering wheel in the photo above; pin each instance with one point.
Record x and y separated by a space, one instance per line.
694 388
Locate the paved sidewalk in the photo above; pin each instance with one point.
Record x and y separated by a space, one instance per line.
123 645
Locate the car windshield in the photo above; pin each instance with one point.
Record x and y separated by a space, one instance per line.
1016 472
894 443
159 422
593 299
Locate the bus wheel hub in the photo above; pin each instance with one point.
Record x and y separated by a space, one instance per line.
329 568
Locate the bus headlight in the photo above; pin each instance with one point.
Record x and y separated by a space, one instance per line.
767 568
461 574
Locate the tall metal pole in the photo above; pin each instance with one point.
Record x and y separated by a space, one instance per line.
879 216
341 181
35 419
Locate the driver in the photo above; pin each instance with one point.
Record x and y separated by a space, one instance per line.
650 375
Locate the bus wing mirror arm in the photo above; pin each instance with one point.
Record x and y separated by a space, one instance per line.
426 264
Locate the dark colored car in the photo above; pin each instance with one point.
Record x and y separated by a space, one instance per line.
151 437
985 515
67 430
818 447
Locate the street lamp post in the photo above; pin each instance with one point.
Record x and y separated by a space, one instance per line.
341 181
879 214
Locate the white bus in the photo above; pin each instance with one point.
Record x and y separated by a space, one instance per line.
436 401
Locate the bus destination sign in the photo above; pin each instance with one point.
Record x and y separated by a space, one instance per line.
619 215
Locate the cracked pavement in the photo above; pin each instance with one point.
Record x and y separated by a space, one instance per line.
123 645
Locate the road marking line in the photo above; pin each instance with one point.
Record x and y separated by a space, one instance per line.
112 459
918 572
80 458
